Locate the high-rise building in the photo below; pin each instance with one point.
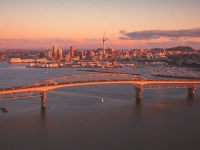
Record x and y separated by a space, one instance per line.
104 44
60 54
72 51
110 50
55 49
91 53
49 54
67 57
41 54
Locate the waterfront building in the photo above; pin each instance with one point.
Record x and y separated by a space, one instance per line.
114 63
15 60
72 49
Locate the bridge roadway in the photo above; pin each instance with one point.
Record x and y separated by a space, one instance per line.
43 87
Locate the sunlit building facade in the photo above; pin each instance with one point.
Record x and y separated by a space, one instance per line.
72 49
55 55
60 54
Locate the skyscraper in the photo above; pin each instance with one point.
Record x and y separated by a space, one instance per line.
60 54
49 54
55 52
72 51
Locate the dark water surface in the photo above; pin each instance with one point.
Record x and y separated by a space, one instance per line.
75 118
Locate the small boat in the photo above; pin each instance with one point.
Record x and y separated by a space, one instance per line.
102 101
4 110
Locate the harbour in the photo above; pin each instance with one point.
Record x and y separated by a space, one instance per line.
75 118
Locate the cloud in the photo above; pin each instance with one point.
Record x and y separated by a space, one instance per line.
36 43
155 43
156 34
122 31
174 38
2 41
123 38
193 43
92 40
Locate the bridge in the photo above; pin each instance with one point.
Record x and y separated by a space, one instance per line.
41 88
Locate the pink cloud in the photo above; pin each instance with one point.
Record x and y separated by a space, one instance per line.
156 34
122 31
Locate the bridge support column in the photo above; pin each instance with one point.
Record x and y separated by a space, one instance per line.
191 90
43 99
138 92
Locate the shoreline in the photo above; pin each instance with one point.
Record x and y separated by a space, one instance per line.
65 67
106 72
170 76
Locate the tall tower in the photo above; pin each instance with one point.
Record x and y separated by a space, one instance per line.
72 51
104 44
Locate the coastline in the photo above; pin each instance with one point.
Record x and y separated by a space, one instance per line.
173 76
104 71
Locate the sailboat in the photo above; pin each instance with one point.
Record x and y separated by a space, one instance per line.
102 101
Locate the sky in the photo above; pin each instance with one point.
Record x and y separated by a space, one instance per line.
126 24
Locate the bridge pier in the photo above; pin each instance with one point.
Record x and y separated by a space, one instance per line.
43 99
191 90
138 92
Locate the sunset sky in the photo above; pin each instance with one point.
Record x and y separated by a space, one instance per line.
128 24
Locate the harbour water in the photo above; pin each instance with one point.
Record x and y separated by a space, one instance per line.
75 118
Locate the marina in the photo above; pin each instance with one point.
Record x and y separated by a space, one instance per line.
160 71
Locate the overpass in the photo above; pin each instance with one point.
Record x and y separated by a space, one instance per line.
41 88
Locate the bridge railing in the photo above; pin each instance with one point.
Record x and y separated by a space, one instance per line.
170 85
23 94
86 78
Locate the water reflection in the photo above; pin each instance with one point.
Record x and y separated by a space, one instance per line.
43 118
137 110
190 97
138 102
138 105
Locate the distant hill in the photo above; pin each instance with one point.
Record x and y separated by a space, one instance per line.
180 48
157 49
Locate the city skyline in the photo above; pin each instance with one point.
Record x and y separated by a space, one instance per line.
128 24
